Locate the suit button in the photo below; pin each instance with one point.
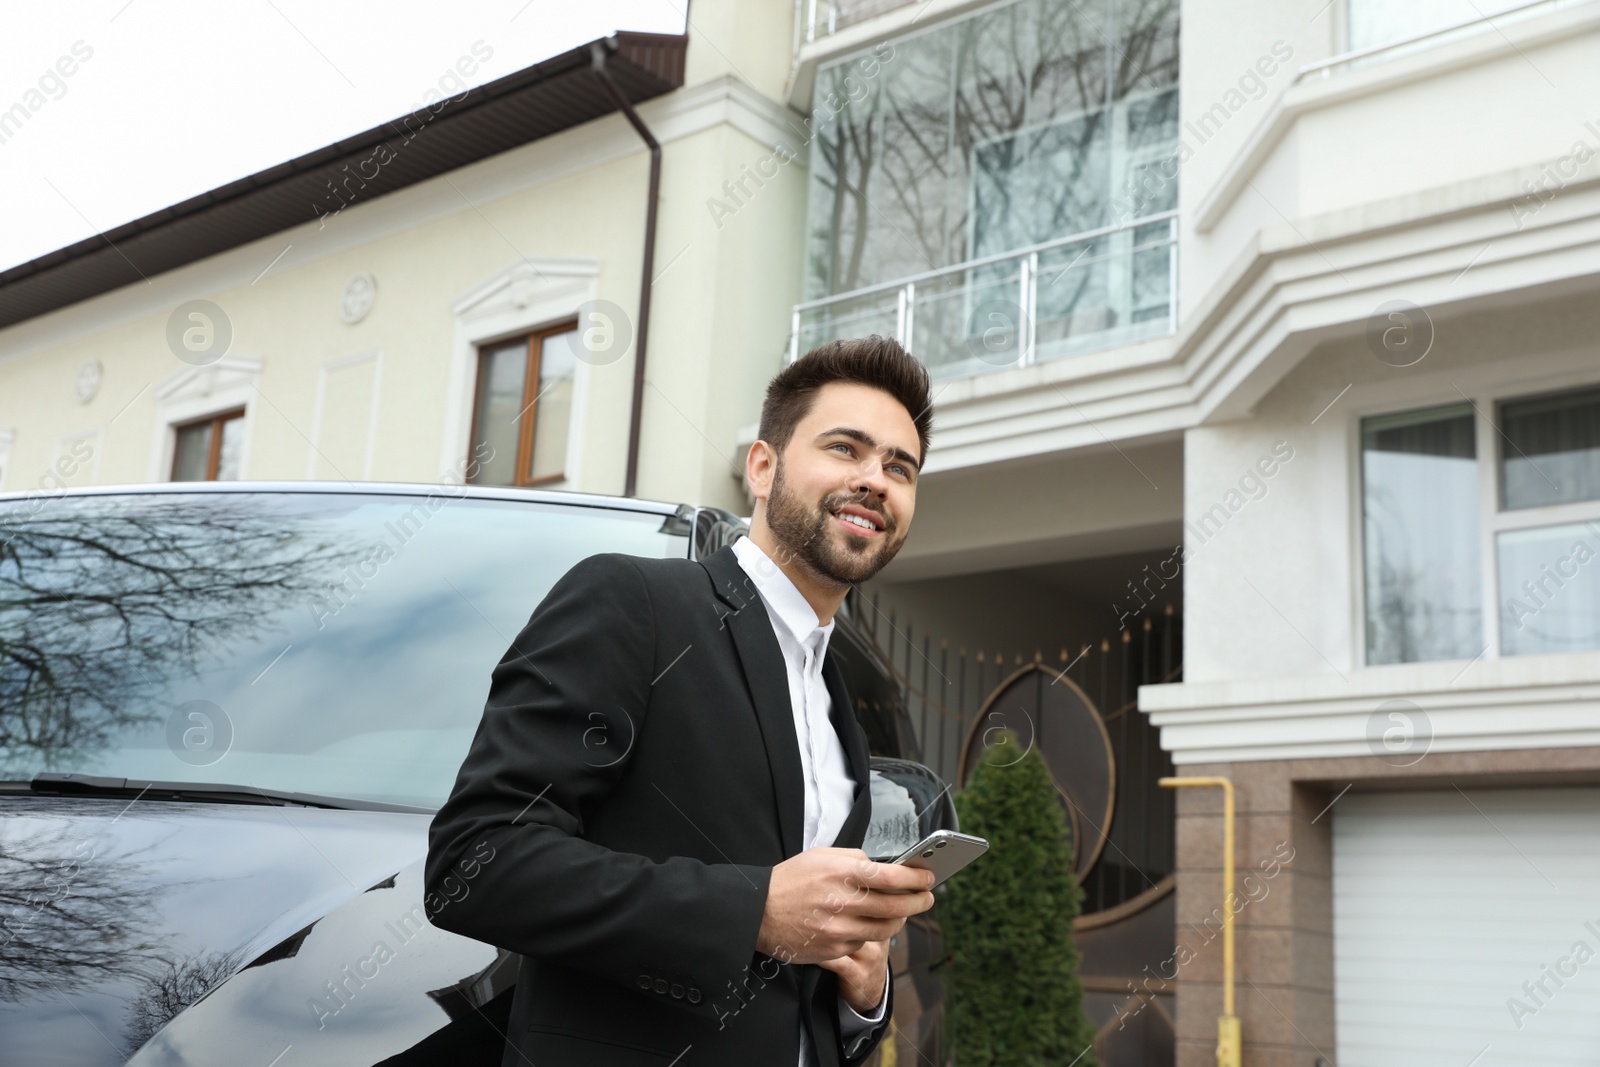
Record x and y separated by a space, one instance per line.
644 981
661 985
677 991
693 995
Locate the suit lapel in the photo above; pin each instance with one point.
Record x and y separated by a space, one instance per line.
766 678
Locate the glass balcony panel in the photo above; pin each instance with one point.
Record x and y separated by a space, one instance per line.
1112 288
969 321
857 316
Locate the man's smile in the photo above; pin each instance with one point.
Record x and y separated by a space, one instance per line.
859 521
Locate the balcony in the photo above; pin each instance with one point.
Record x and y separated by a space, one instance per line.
1087 291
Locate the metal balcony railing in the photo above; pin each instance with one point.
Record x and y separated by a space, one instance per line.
1098 289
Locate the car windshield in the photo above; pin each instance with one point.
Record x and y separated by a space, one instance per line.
329 643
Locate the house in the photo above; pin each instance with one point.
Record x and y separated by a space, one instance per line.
1266 437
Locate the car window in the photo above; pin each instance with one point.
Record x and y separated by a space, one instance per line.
338 644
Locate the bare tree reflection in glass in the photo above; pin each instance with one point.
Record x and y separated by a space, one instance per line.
98 603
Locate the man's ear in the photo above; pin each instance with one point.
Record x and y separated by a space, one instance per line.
760 463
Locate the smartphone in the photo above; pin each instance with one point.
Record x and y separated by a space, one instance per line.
944 852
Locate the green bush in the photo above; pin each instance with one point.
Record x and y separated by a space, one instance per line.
1014 997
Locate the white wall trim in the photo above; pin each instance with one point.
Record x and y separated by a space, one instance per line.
66 452
1520 702
196 392
524 296
314 443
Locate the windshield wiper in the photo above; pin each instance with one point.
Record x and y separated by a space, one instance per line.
56 783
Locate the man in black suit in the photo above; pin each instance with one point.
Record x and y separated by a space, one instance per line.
668 781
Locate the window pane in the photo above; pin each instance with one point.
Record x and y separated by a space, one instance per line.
1043 183
1149 180
880 189
116 610
232 445
502 372
1378 22
1420 519
1039 161
1549 589
1551 451
554 415
192 454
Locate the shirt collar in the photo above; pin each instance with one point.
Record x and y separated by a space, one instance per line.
779 594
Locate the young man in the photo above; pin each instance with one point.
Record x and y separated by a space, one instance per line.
669 785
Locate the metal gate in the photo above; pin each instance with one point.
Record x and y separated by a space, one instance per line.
1128 922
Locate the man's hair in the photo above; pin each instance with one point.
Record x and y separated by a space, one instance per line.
877 361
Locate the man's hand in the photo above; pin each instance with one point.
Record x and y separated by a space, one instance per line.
861 975
825 903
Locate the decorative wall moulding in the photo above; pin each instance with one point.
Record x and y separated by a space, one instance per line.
359 294
86 386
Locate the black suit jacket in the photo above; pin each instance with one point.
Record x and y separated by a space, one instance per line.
633 781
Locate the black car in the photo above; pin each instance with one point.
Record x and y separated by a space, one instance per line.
227 714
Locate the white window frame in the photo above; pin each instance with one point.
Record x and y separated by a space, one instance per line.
1494 520
526 296
198 393
173 429
1485 388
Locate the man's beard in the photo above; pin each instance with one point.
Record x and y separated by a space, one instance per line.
804 533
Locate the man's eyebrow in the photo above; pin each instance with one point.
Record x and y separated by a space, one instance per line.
865 438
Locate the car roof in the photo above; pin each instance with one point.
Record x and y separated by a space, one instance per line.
479 492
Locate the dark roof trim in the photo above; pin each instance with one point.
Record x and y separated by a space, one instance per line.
535 102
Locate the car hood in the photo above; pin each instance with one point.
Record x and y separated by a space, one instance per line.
128 925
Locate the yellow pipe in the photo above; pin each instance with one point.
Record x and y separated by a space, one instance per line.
1229 1039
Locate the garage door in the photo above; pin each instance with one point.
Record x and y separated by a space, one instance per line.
1467 928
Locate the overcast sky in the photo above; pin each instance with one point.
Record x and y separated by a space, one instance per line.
169 98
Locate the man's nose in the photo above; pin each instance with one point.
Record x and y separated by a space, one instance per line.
869 474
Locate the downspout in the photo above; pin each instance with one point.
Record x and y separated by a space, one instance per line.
598 53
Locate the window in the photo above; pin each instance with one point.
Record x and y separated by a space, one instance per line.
1483 538
524 407
208 450
1419 506
936 156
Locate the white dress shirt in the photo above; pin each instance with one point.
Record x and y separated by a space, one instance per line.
829 786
